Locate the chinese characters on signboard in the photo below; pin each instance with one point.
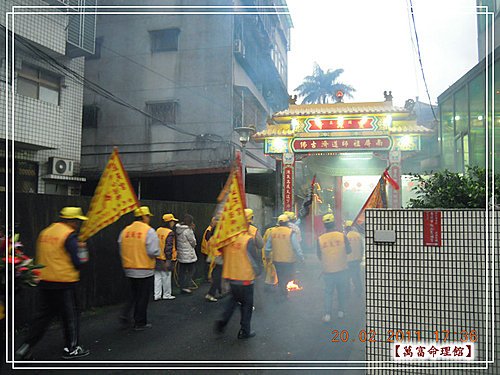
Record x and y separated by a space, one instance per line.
432 228
288 177
329 144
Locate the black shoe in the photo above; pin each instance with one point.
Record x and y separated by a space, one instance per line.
143 327
23 353
219 326
244 335
77 352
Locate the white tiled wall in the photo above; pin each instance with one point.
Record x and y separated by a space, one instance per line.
412 287
36 122
48 30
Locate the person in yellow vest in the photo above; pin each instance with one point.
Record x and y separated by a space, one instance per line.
271 279
139 245
204 247
294 224
57 248
241 267
286 250
355 257
216 256
332 251
253 230
164 264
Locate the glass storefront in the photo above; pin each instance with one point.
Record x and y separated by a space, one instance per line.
464 120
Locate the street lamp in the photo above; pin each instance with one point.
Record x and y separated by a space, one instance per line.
245 132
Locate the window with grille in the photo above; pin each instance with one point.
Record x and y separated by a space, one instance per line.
165 40
162 112
38 84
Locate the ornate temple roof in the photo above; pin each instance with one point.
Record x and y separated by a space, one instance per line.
286 131
340 108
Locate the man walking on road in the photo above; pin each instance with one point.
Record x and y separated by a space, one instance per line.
333 248
241 267
164 262
282 242
57 249
139 246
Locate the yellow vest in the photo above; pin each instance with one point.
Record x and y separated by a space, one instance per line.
252 230
333 254
163 233
356 243
281 238
212 250
50 252
204 242
134 253
237 266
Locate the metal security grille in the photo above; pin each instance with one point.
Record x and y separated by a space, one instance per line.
425 293
162 112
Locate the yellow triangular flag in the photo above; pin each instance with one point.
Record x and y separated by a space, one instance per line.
113 198
232 220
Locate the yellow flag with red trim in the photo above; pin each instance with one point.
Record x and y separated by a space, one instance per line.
232 220
113 198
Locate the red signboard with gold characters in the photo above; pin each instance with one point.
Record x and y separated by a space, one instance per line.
432 228
288 187
340 144
349 123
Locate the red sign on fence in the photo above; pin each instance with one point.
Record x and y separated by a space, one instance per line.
432 228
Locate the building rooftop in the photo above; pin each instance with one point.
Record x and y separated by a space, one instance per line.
340 108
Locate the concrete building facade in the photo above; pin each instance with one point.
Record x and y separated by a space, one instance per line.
47 100
181 84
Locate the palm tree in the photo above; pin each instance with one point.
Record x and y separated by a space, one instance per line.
321 87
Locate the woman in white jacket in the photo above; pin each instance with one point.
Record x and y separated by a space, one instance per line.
186 254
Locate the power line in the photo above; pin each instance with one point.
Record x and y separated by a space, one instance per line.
414 48
94 86
420 60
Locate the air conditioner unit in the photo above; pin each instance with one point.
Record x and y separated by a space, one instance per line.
239 48
61 167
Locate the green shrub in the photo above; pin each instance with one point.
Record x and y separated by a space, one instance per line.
447 189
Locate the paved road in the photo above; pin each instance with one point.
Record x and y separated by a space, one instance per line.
182 331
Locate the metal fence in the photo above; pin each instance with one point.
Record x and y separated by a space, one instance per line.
102 278
436 295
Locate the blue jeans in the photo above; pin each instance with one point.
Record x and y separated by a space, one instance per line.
335 280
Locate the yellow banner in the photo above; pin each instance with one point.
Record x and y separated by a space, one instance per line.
232 221
113 198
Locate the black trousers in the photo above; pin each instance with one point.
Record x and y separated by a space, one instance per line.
141 291
56 302
186 273
286 273
240 294
216 280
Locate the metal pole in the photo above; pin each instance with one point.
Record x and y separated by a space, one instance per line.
243 165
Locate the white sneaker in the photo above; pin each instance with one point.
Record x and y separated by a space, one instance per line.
169 297
326 318
340 314
210 298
